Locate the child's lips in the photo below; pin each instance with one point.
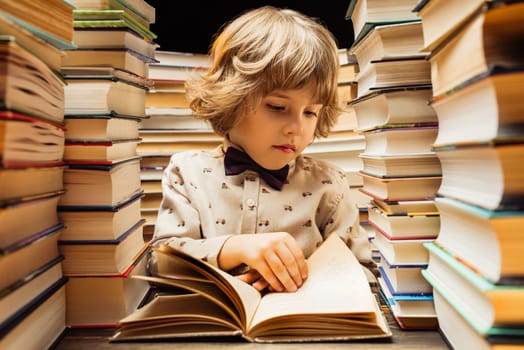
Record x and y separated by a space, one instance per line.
285 148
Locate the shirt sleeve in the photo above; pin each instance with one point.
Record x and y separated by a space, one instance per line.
342 218
178 221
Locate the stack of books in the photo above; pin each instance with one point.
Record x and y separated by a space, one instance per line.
170 125
107 80
476 262
32 136
343 145
401 173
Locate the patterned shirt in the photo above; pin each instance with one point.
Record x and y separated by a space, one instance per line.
202 207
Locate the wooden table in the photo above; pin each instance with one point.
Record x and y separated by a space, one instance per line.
84 339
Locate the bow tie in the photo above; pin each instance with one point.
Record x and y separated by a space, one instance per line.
236 162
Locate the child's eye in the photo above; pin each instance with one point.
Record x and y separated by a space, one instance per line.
275 107
311 114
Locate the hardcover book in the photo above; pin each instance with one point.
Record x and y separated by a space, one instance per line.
218 304
489 241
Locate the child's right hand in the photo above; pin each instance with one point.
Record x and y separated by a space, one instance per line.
276 256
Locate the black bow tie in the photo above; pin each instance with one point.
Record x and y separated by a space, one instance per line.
236 162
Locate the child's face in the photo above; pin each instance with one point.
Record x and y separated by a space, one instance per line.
279 129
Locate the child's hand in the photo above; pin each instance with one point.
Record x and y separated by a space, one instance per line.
276 257
253 278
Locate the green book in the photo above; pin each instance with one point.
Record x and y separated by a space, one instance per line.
111 19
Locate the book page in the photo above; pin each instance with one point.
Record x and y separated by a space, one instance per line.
192 271
336 285
170 307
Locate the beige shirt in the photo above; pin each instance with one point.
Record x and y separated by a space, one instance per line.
202 207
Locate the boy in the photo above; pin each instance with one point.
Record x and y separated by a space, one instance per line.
255 206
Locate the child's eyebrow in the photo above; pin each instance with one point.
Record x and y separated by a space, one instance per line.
278 94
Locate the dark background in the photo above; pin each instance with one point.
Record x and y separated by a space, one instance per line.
189 26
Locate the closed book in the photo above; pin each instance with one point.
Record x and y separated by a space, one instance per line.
16 297
104 96
174 73
45 50
106 72
364 15
394 107
138 9
28 141
389 41
496 168
19 183
494 97
182 59
409 72
124 59
489 241
151 201
102 257
114 38
151 186
101 185
28 254
52 20
99 151
427 207
101 128
28 85
41 209
483 42
402 252
112 18
347 73
400 140
489 308
459 334
411 165
404 280
100 223
442 18
173 118
400 188
404 226
413 312
167 99
169 147
100 301
40 323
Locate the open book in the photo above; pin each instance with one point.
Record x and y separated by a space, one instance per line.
334 303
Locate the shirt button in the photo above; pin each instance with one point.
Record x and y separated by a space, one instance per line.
250 202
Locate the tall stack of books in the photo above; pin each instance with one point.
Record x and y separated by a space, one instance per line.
32 134
401 173
476 265
343 145
107 80
170 125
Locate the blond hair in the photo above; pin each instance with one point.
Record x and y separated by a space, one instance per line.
260 51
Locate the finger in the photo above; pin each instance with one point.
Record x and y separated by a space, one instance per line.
299 258
249 277
260 284
266 271
280 271
290 263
